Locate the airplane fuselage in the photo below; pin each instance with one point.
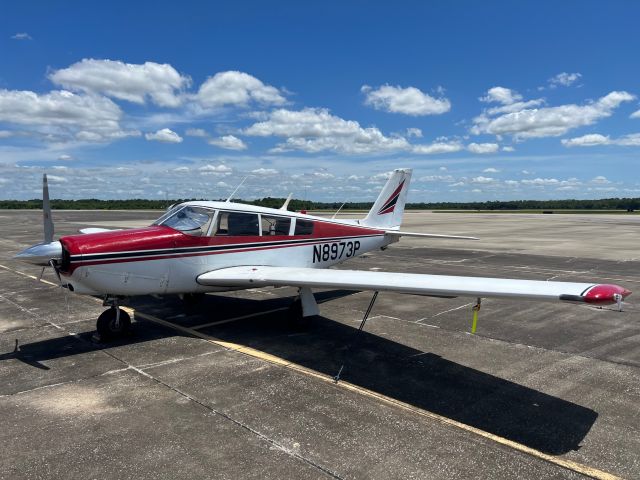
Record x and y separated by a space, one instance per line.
164 260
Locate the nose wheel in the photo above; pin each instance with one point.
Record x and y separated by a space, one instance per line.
112 324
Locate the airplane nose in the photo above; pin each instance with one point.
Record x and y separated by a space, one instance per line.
41 253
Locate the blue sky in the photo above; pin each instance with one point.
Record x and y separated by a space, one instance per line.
485 100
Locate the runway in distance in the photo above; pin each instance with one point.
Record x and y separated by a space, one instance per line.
201 246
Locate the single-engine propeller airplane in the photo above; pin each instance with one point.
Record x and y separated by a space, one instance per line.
201 246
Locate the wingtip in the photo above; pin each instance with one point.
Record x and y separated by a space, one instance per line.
605 294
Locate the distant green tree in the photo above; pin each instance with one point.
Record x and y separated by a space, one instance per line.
271 202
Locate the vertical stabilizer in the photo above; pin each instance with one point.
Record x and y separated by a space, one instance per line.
388 209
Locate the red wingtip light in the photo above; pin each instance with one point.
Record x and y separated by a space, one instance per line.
605 294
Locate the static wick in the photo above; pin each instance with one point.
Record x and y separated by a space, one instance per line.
16 348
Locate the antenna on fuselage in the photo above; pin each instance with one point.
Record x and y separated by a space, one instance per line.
237 188
338 211
285 205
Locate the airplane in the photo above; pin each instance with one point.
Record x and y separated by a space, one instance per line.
204 246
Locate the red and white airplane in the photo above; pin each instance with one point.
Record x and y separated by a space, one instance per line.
198 247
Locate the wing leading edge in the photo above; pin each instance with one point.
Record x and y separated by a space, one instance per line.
412 283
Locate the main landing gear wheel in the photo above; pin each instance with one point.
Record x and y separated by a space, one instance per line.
111 326
295 317
192 299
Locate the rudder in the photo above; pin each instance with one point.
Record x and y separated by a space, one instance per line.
388 208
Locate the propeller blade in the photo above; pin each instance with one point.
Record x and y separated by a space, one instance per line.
46 211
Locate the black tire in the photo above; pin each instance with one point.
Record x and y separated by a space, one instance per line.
192 298
296 320
106 324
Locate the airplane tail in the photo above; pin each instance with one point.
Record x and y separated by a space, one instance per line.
387 211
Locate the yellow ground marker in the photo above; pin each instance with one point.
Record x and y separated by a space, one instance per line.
476 309
274 360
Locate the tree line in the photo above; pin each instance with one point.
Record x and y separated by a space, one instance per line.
628 204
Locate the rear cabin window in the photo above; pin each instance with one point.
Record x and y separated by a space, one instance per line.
237 224
303 227
275 225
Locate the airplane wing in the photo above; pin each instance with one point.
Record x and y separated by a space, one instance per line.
412 283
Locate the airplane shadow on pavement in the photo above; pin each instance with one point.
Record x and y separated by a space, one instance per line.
422 379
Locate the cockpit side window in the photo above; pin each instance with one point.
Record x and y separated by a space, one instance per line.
272 225
191 220
303 227
237 224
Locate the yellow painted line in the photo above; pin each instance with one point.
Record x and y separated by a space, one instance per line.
267 357
272 359
29 276
242 317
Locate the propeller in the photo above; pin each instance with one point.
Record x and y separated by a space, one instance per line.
43 254
46 211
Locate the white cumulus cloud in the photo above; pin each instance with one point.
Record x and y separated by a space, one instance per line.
436 178
378 177
414 132
87 117
222 168
596 139
541 181
437 148
482 179
265 171
564 79
315 130
57 179
237 88
483 148
164 135
502 95
409 101
228 142
549 121
125 81
509 100
21 36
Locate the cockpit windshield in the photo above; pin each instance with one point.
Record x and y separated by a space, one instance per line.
170 211
191 220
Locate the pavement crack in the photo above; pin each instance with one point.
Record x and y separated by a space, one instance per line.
242 425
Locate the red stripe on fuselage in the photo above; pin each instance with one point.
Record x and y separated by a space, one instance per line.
199 254
161 237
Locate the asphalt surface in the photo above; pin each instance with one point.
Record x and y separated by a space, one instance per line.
543 390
